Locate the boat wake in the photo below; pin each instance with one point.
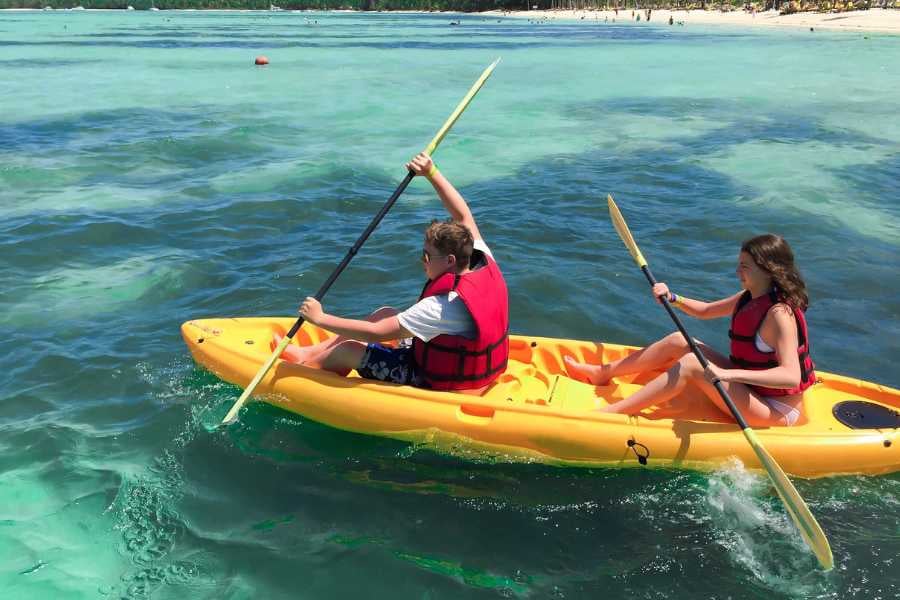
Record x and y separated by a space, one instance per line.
751 525
146 504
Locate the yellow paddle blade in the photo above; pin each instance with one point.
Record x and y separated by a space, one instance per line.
804 520
439 137
232 414
624 233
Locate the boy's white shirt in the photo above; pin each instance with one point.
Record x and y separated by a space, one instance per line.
444 314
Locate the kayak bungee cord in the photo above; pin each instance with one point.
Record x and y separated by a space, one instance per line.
232 414
804 520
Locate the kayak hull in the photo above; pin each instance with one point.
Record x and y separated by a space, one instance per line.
534 412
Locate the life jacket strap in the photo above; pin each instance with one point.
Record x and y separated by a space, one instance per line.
752 364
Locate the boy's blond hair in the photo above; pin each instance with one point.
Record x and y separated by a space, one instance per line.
450 237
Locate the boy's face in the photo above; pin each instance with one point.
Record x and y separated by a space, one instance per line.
435 263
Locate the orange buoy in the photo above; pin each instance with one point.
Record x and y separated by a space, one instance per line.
262 60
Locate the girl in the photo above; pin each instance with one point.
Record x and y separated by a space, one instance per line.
769 366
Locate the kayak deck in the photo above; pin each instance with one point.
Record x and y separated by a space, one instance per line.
534 411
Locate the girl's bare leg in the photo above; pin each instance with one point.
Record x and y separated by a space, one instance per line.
661 354
688 370
661 389
755 411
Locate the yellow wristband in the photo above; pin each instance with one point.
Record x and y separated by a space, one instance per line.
431 171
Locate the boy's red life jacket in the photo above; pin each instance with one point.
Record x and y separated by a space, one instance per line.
746 321
453 362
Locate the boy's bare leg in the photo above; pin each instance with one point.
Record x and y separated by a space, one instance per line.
303 354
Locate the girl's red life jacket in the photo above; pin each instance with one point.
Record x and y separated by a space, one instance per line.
746 321
453 362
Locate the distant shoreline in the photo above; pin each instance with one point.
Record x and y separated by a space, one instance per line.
874 20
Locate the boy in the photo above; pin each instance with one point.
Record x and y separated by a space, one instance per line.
459 325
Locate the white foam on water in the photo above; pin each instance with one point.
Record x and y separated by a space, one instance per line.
146 505
632 132
261 179
866 118
61 553
77 291
64 195
57 539
752 526
799 177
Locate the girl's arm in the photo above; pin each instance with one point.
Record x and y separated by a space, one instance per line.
781 326
698 308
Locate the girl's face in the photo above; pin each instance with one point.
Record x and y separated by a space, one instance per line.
751 276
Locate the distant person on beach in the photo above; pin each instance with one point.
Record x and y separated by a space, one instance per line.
458 327
671 20
769 365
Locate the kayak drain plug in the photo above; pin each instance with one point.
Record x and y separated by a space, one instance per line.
642 458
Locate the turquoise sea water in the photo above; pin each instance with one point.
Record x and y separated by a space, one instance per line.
150 174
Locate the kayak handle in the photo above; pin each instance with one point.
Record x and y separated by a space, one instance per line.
475 414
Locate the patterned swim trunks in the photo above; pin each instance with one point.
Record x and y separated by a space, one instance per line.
394 365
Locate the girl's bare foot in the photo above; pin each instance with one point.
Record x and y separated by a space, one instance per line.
593 374
292 353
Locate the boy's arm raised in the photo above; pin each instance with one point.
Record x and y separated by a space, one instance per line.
452 200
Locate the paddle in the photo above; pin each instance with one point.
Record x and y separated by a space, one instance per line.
809 528
438 138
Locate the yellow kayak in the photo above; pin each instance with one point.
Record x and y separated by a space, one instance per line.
535 412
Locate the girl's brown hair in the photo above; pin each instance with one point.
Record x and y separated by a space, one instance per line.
450 237
772 254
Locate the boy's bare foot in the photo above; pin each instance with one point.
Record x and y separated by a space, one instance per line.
292 353
593 374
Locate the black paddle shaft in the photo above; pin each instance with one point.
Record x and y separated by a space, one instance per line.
355 247
696 350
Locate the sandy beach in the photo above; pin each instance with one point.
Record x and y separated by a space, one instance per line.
874 20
